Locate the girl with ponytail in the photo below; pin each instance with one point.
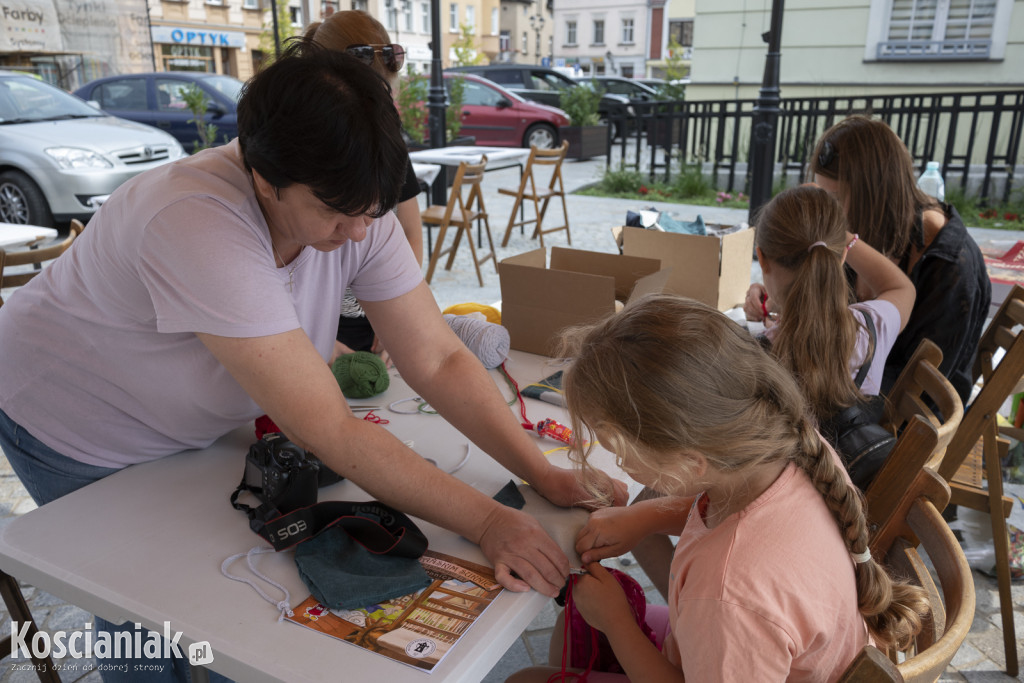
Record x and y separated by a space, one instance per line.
820 335
772 579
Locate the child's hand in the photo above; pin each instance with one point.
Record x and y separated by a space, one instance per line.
601 600
610 532
755 303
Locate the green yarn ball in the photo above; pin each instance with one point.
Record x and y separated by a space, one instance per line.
361 374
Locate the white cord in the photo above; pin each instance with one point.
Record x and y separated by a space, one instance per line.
393 409
284 605
465 459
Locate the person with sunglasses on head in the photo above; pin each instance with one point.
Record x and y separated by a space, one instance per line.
867 167
206 293
360 35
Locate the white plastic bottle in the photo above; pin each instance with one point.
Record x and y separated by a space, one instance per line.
931 181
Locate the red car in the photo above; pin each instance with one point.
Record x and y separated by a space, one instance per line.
499 118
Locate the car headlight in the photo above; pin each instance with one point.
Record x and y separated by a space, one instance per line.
75 158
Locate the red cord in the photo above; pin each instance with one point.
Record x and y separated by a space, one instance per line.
522 404
563 675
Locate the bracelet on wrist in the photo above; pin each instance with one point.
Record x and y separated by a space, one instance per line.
852 242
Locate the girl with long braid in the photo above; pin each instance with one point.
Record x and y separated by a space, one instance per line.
772 579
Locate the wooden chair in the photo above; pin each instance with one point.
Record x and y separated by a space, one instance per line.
977 445
34 257
460 212
923 437
540 196
952 600
18 609
77 227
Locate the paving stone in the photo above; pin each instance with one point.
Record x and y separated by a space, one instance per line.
68 618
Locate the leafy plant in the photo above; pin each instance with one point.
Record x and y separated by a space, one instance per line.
412 110
675 70
285 30
464 48
580 103
622 180
691 182
197 102
453 114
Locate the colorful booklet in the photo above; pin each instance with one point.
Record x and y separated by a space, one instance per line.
418 629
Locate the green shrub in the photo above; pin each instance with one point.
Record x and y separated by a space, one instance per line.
691 182
622 180
412 96
197 102
580 104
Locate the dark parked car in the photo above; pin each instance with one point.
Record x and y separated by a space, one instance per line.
497 117
616 85
156 99
545 86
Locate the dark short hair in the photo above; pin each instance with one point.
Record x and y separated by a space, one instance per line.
320 118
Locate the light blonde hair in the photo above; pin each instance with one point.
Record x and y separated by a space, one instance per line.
670 375
345 28
877 182
817 332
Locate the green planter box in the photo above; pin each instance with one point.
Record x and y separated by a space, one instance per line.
585 141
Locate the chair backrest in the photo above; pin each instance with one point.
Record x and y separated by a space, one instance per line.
1000 364
922 389
77 227
547 157
923 433
467 176
952 601
30 257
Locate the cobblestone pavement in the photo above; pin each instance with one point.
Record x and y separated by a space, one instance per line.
980 658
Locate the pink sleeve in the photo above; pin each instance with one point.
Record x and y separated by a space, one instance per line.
721 641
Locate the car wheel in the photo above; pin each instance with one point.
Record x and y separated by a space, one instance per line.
22 202
542 135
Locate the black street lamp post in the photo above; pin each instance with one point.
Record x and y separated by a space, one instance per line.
766 118
436 97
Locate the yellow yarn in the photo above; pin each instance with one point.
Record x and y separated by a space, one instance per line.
492 314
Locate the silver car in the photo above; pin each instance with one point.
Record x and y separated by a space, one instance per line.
59 157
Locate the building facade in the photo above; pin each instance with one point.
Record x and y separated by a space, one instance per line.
859 47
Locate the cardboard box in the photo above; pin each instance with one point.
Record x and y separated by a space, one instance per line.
579 287
713 269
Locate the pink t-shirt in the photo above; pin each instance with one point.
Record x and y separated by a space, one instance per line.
100 358
767 595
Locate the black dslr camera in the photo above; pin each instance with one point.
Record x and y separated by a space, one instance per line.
284 476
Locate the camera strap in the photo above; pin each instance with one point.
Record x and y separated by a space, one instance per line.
379 528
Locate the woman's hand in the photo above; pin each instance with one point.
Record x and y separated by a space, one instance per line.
756 303
514 542
601 600
563 487
610 532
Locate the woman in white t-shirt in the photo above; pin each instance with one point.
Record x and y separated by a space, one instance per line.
207 292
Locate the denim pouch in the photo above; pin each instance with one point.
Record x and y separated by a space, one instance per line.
342 574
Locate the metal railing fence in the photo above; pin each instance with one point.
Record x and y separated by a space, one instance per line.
976 136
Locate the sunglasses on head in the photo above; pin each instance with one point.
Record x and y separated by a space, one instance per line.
392 56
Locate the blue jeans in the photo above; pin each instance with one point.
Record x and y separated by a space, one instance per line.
48 475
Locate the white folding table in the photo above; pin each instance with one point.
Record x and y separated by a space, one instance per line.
146 545
16 235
